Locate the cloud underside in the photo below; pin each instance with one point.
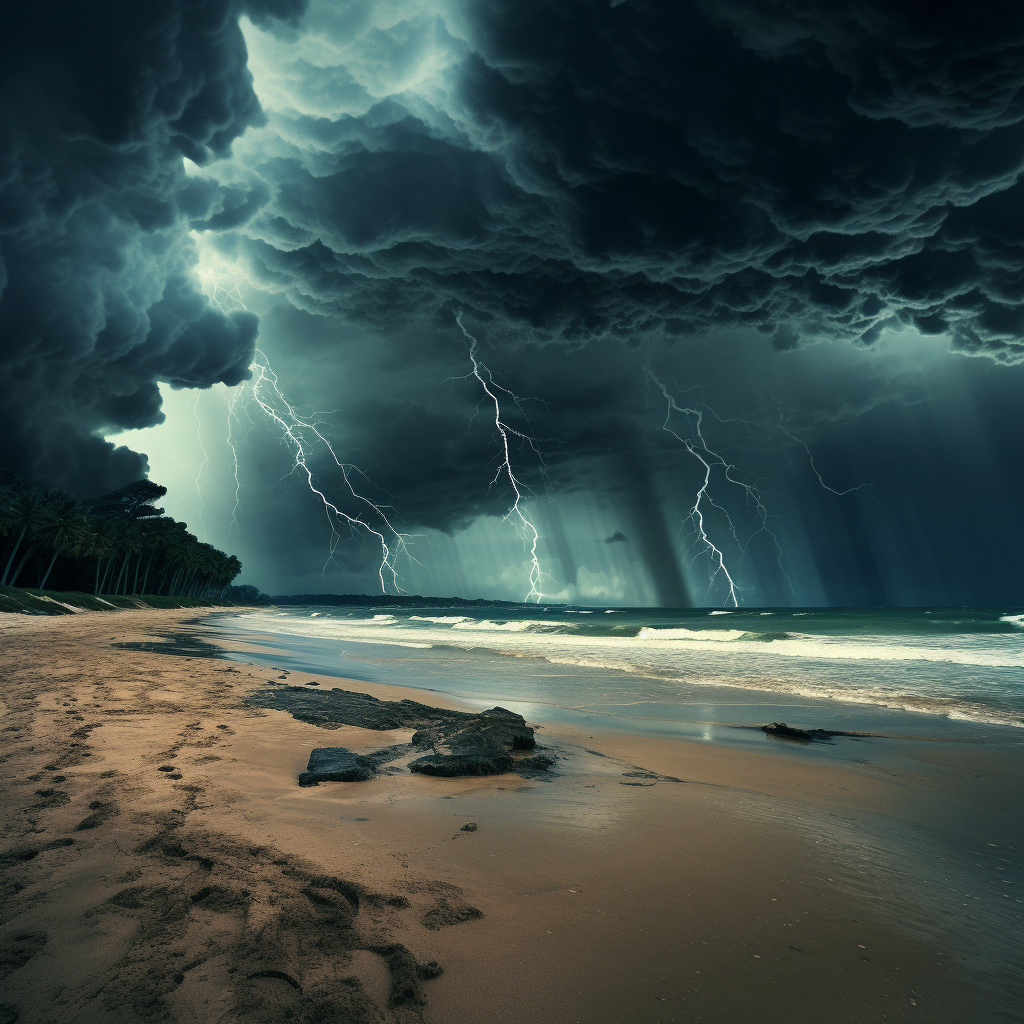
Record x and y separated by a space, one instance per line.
560 173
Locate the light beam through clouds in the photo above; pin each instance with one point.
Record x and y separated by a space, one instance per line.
202 465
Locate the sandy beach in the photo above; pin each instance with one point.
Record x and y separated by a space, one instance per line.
159 862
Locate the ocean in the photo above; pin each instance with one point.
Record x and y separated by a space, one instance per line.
713 674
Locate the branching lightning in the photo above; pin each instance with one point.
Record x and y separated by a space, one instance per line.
491 389
709 460
264 389
303 435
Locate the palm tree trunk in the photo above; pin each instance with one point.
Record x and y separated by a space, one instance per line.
21 565
96 585
135 582
111 562
123 573
57 551
17 544
145 582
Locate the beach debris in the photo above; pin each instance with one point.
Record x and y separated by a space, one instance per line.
470 826
789 732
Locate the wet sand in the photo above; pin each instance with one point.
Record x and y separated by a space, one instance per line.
784 886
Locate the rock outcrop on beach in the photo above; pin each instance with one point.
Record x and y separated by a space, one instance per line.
479 745
449 743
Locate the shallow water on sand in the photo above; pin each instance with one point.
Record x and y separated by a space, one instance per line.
942 856
921 672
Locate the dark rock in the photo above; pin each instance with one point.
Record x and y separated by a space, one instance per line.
166 768
336 764
538 762
454 743
430 970
455 765
470 826
788 732
345 707
388 754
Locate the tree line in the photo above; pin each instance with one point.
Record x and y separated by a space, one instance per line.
119 543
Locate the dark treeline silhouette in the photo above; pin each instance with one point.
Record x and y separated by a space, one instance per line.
117 544
386 601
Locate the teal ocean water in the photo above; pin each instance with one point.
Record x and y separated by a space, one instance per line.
940 671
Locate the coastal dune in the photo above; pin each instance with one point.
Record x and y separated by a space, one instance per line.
160 862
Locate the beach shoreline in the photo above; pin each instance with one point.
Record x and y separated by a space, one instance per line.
590 895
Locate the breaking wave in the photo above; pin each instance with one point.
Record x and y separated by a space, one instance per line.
974 677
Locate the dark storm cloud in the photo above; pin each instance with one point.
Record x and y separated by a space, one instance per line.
98 106
807 169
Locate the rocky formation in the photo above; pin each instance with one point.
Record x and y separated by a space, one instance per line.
449 743
480 745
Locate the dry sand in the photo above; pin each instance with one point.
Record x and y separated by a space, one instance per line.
221 891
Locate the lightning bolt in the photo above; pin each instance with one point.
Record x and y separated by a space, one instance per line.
490 388
709 460
264 389
303 436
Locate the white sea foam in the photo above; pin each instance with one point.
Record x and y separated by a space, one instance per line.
719 613
798 664
697 635
439 620
1015 620
511 626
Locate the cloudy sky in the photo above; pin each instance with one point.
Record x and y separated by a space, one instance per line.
745 278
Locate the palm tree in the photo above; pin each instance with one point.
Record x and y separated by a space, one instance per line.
61 527
123 531
102 545
18 512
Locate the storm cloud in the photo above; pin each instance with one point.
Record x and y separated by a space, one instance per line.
732 192
99 106
567 171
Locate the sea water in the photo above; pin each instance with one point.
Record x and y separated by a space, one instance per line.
943 672
950 872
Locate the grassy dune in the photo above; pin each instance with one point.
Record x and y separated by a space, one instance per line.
54 602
